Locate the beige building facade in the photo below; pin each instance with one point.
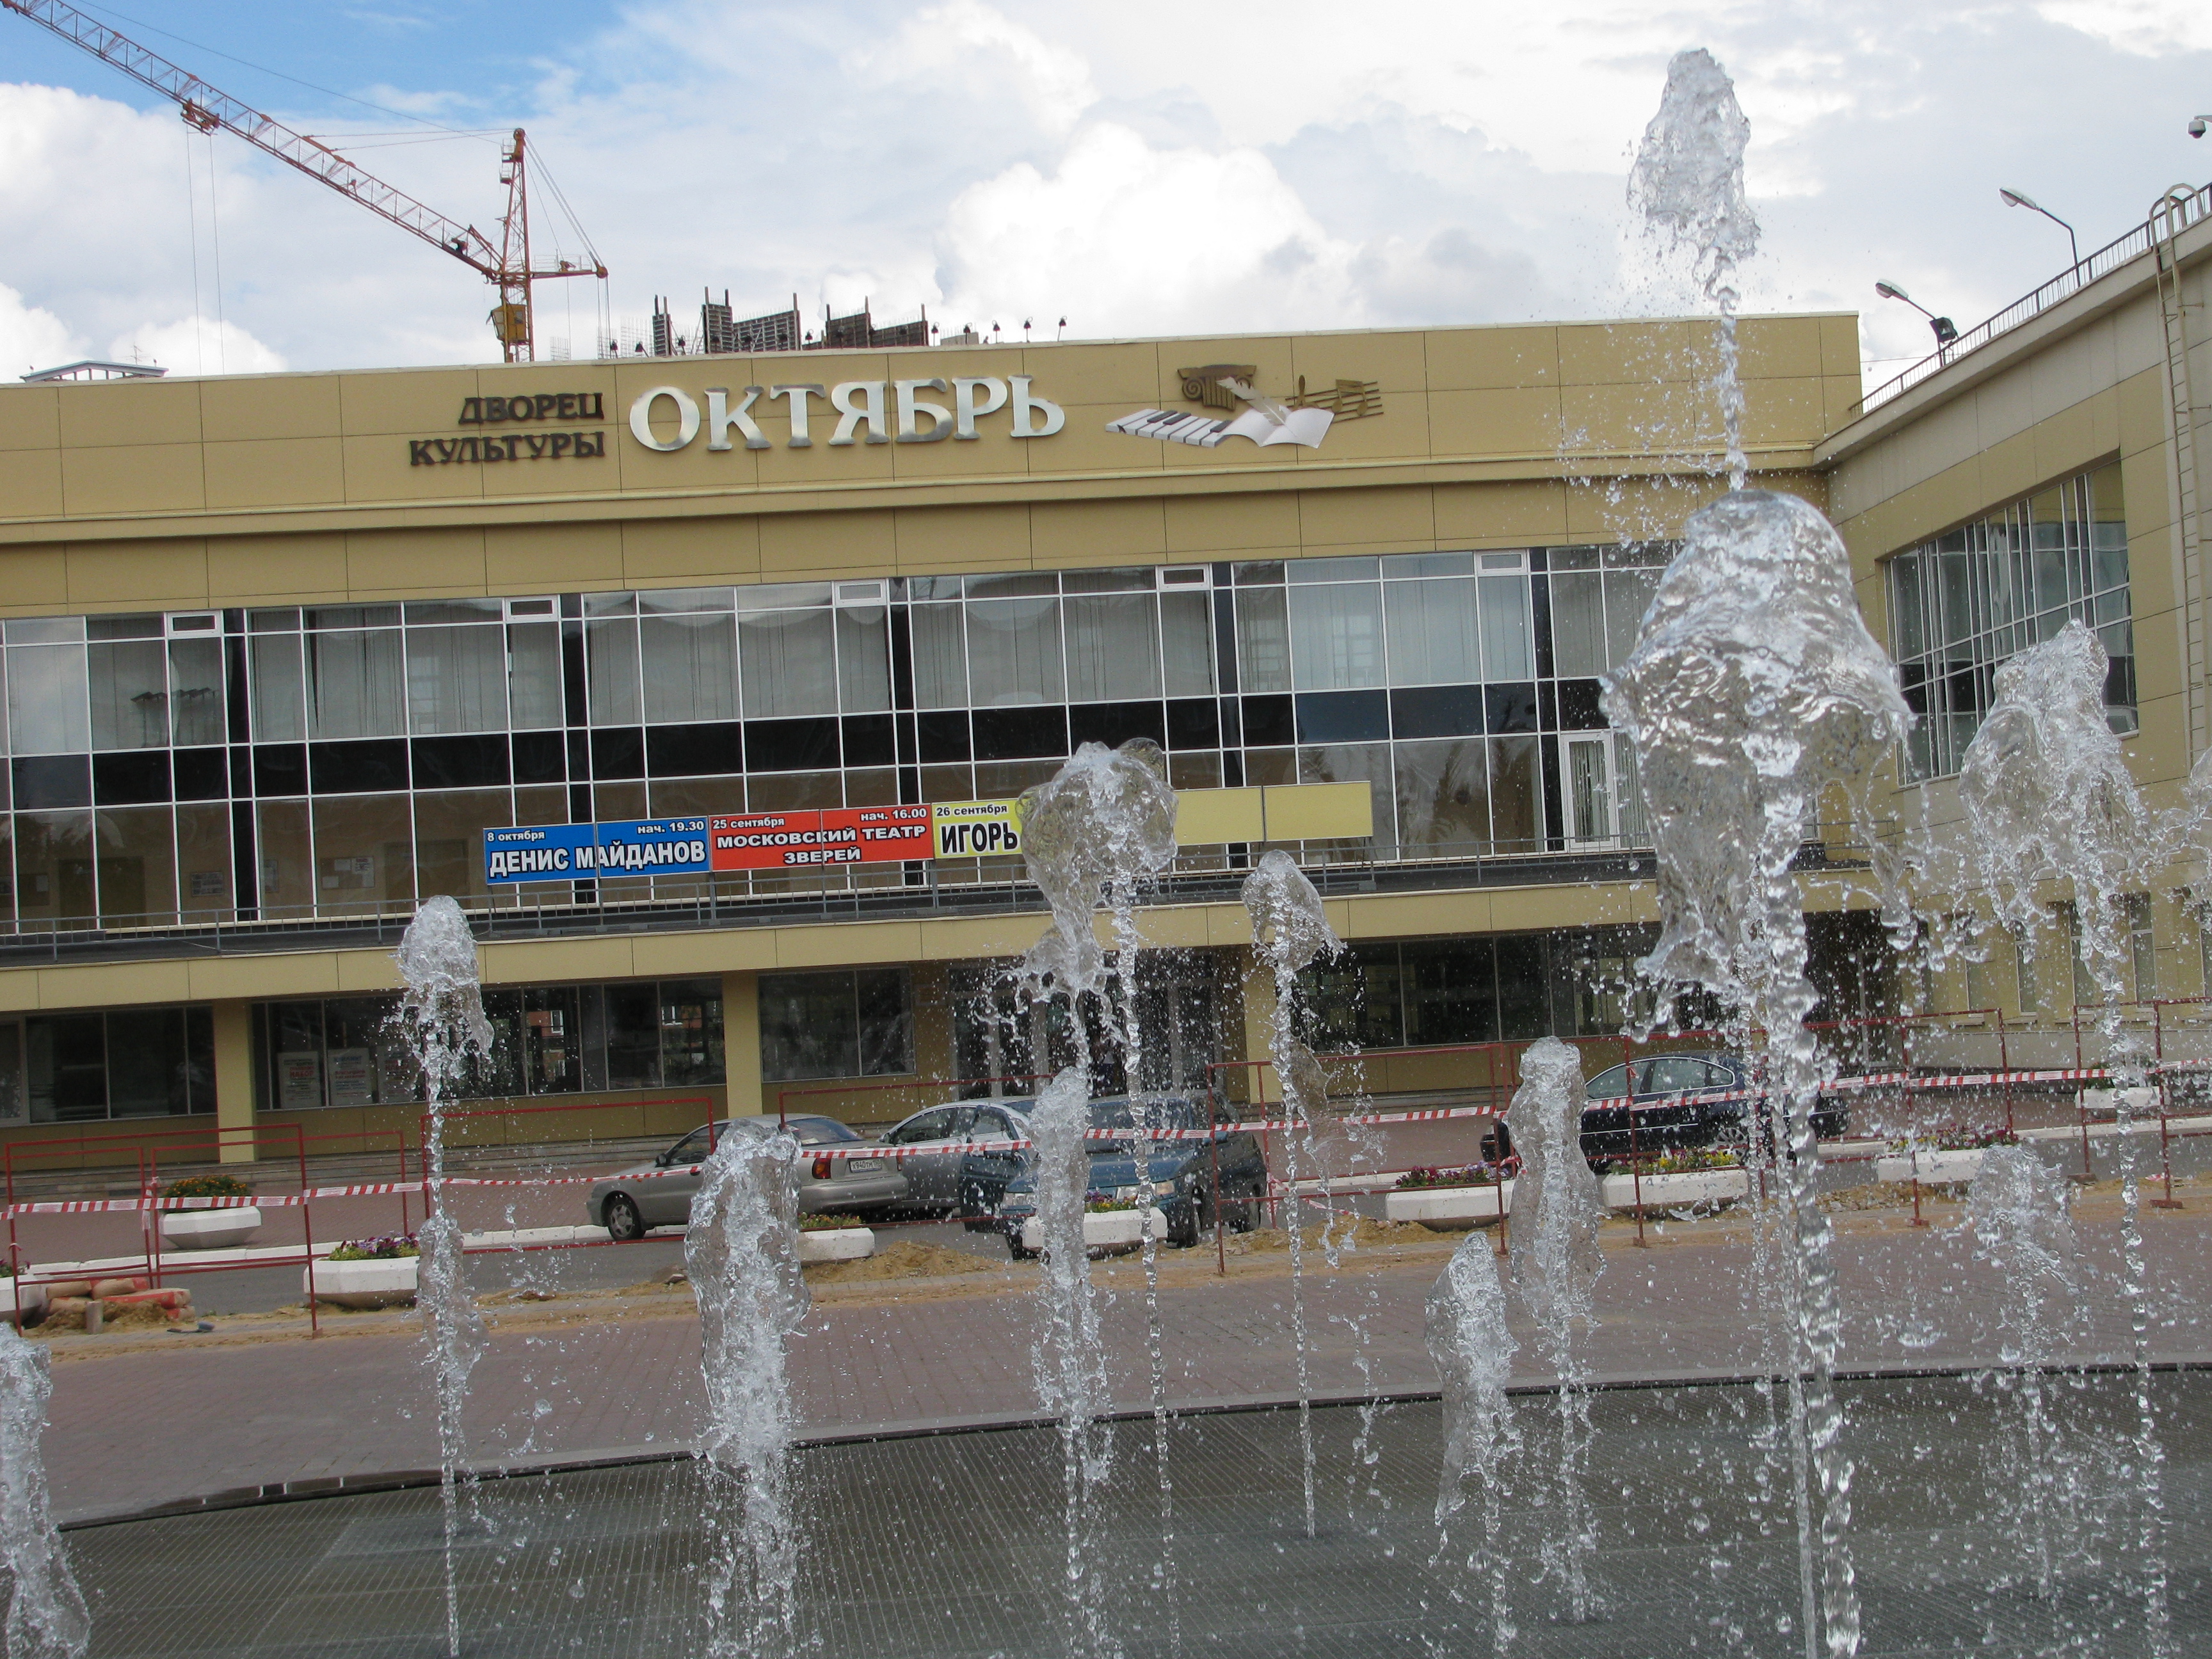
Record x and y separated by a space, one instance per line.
281 650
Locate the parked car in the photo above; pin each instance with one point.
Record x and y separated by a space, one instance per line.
628 1207
933 1150
1181 1172
1679 1100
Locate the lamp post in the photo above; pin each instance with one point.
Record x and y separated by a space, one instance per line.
2014 198
1945 330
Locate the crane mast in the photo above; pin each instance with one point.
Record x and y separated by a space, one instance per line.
504 264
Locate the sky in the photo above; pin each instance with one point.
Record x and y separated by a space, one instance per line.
1140 167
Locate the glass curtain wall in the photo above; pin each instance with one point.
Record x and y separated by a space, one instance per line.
343 760
1960 606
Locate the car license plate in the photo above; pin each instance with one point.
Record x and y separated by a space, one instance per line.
856 1165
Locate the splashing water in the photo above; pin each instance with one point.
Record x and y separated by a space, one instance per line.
442 1017
1473 1349
1100 827
2048 798
1557 1211
1688 185
742 1256
1290 931
2039 1486
47 1615
1754 687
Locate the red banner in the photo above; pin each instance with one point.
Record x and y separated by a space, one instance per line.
842 834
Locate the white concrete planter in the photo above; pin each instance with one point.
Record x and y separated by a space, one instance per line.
363 1283
19 1298
208 1230
1936 1169
1109 1232
1689 1189
836 1244
1449 1207
2105 1103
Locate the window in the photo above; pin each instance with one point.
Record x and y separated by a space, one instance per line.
355 686
1975 596
843 1024
129 1062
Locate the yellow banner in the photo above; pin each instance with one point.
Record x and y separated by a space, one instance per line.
976 828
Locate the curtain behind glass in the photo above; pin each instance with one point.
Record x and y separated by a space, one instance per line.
940 657
533 675
1432 632
1627 597
611 654
1263 640
690 668
456 680
1336 635
1186 644
864 658
354 685
1509 651
1443 798
280 713
129 687
1578 643
789 662
196 699
46 708
1112 647
1013 653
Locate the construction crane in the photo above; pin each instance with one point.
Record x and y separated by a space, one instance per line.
504 264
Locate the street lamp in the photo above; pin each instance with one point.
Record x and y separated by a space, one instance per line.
2014 198
1945 331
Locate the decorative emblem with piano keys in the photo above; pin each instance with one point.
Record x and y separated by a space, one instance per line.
1304 419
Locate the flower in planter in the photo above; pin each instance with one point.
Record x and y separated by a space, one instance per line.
1688 1160
1107 1206
1471 1175
389 1247
1955 1138
818 1223
207 1185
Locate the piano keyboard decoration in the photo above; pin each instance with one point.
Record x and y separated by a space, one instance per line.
1304 427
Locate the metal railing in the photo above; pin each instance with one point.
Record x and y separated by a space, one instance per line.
2190 210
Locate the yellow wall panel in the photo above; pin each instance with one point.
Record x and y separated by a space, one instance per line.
1401 430
30 418
377 469
799 545
30 483
1395 359
1219 527
675 551
1473 513
1768 347
138 575
1488 358
1508 420
246 569
1614 354
1319 812
525 558
399 561
1330 518
981 537
132 413
247 407
1115 371
1204 817
1085 445
34 578
275 472
132 478
1076 534
414 402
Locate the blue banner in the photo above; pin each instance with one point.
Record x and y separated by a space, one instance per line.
563 851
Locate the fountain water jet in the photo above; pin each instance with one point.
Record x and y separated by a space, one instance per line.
2048 798
1472 1347
1290 931
1688 185
742 1257
1557 1212
46 1615
1753 687
1100 827
2022 1229
441 1015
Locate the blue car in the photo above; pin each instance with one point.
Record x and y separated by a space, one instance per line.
1001 1189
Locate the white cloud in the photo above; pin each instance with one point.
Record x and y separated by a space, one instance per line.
2145 26
192 345
1134 239
33 337
940 46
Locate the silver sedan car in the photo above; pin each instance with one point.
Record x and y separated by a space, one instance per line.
632 1202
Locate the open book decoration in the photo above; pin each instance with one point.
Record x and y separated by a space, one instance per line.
1265 420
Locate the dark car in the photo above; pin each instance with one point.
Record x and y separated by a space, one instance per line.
1678 1100
1182 1172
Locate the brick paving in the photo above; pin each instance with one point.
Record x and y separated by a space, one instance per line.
151 1425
